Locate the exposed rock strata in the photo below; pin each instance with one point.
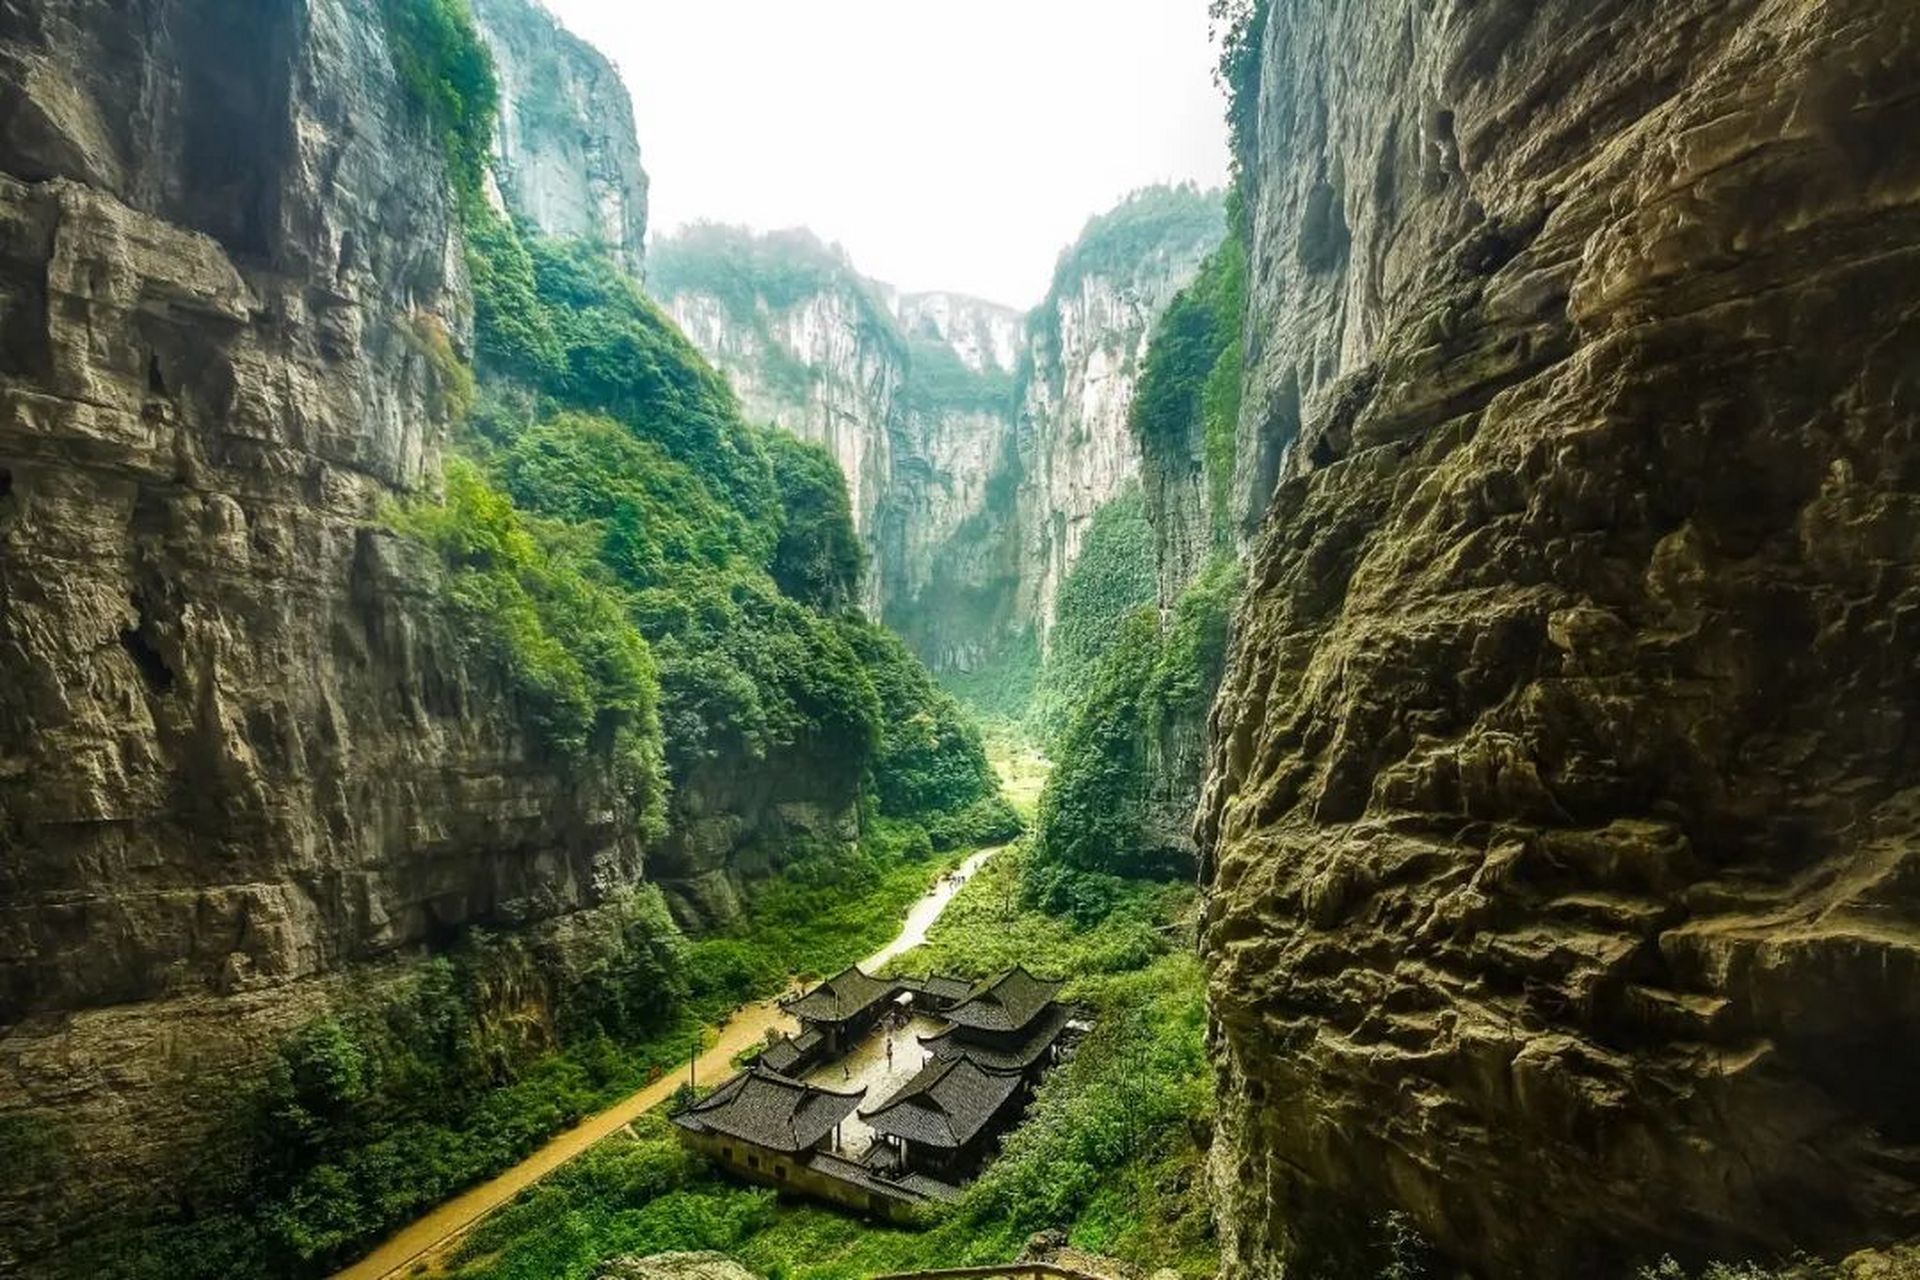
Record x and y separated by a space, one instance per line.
240 745
566 155
1086 347
1562 829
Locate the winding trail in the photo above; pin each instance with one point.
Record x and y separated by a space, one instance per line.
434 1234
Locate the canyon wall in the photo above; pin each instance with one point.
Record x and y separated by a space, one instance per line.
1561 832
1086 343
566 157
977 443
242 746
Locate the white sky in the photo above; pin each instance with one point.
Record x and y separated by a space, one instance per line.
948 144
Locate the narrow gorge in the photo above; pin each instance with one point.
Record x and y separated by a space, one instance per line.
1415 647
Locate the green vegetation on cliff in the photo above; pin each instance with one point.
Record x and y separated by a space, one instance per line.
1112 579
1154 679
444 67
1188 400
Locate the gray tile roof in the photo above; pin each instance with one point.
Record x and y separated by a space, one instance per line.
788 1052
941 987
1016 1056
1008 1003
844 995
860 1176
768 1109
946 1105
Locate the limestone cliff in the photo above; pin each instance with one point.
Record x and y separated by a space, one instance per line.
566 156
976 443
1086 343
1561 832
241 746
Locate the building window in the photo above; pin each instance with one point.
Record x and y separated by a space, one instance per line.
780 1172
753 1162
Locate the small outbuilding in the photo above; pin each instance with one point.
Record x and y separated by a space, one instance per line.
842 1009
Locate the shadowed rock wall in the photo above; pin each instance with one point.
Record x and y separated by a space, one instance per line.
1564 888
241 746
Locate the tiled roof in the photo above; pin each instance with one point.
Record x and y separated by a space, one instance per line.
788 1052
931 1188
1008 1003
768 1109
860 1176
840 997
941 987
1018 1056
946 1105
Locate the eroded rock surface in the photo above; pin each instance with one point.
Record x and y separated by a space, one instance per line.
1561 832
241 746
566 156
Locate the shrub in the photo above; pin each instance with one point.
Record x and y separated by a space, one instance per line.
446 71
563 639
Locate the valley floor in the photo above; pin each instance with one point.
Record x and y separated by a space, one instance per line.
1111 1150
751 1025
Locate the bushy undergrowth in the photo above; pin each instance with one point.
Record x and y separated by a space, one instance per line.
1152 680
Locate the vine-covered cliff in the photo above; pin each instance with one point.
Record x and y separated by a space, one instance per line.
244 743
390 598
1560 835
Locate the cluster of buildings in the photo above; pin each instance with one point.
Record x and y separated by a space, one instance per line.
778 1123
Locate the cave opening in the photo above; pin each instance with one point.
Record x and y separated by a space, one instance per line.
6 484
147 659
156 381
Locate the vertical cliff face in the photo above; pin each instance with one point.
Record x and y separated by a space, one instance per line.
566 156
1086 343
808 344
977 443
240 744
1561 830
985 335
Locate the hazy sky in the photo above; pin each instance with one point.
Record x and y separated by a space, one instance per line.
948 144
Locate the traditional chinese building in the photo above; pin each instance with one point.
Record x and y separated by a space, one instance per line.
840 1010
1011 1025
772 1129
945 1121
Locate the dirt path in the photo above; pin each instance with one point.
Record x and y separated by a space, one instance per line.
432 1235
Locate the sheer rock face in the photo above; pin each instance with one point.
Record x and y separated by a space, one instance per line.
1561 829
834 365
827 368
972 506
240 744
1088 344
566 154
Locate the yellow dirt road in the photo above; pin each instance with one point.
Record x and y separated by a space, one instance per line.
433 1235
